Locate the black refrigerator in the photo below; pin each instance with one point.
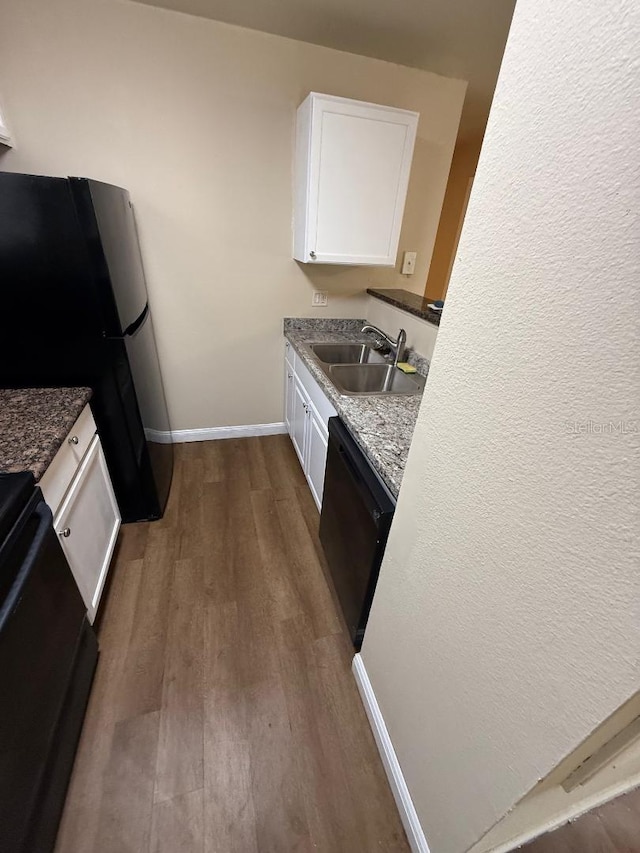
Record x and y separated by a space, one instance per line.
74 311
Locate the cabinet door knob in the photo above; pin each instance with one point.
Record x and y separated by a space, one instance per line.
73 439
66 532
312 255
289 375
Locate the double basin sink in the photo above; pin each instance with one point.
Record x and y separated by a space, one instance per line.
358 370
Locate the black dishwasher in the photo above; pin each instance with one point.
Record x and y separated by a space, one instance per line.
357 509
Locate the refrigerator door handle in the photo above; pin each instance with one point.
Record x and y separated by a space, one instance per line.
132 328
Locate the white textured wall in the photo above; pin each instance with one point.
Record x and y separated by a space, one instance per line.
196 119
506 625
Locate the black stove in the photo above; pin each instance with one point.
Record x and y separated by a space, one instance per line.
48 653
15 491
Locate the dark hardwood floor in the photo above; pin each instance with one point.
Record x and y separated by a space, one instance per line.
224 717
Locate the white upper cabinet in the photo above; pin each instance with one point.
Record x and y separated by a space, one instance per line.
351 175
5 136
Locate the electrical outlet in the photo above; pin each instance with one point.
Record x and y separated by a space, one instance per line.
409 263
320 299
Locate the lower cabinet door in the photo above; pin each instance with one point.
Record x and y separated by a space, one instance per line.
289 388
88 524
299 421
316 456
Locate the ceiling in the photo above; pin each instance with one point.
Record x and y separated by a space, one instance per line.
457 38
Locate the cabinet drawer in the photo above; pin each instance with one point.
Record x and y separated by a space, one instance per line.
290 354
81 434
56 479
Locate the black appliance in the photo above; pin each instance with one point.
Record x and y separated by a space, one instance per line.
75 312
48 654
357 509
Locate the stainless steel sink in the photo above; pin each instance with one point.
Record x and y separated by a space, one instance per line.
358 370
373 379
346 354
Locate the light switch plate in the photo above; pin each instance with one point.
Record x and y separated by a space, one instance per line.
409 263
320 299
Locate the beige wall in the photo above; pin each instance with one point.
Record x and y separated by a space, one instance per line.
196 119
421 335
506 624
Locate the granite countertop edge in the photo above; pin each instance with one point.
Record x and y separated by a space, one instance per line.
33 424
412 303
382 426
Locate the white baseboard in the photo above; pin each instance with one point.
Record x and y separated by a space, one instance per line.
176 436
401 794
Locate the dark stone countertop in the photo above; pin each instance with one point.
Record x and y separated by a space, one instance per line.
412 303
33 424
383 426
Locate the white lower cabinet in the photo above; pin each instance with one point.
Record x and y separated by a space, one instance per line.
88 524
289 386
299 414
317 440
86 518
307 413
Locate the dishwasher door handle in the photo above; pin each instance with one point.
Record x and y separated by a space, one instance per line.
344 455
365 494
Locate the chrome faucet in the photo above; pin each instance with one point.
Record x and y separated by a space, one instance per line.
397 346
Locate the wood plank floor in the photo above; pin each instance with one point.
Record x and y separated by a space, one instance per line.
224 717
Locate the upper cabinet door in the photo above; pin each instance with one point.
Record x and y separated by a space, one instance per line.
351 175
5 135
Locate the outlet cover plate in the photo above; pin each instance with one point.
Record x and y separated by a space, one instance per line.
409 263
